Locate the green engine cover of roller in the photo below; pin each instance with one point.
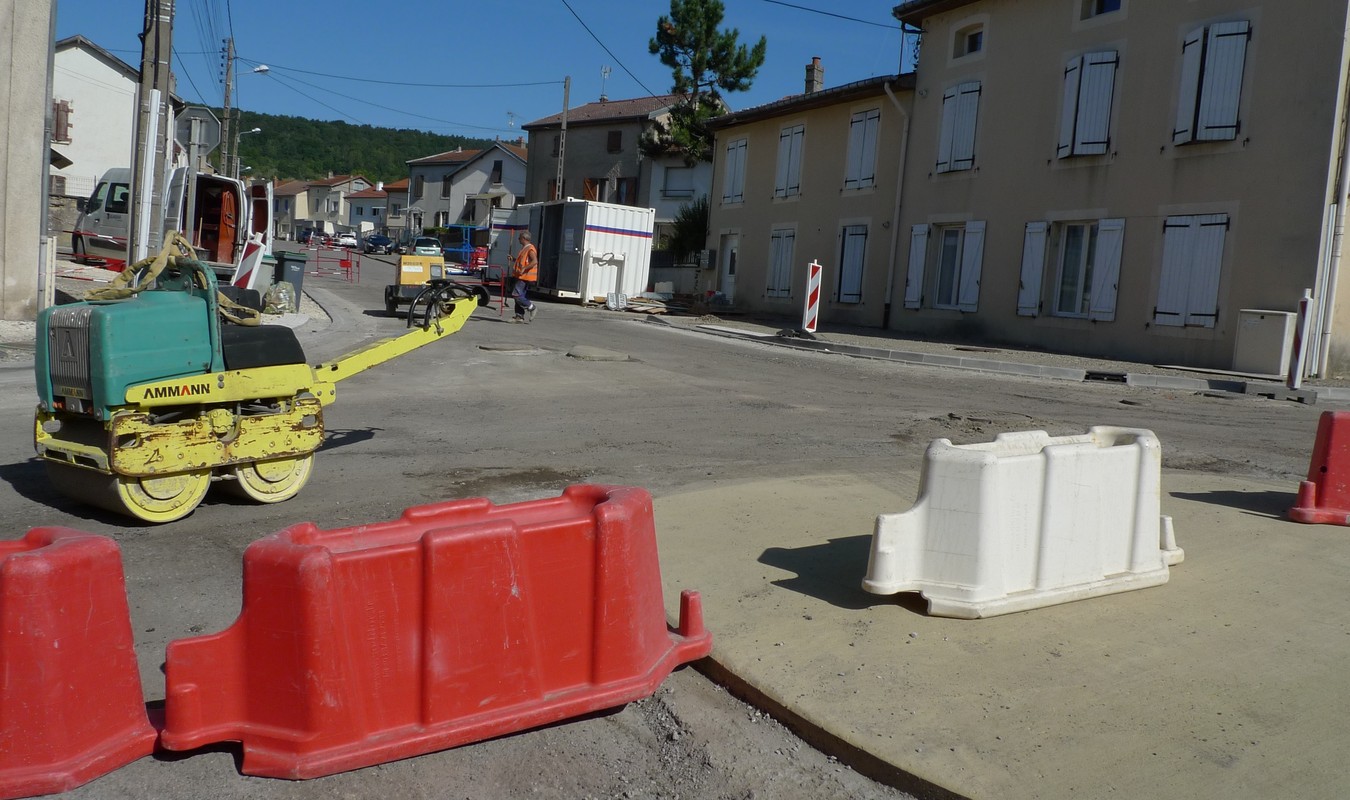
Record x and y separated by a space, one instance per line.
91 352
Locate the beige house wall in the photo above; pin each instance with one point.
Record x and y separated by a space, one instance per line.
25 41
1275 180
817 215
587 156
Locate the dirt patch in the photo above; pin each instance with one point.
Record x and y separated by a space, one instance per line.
501 484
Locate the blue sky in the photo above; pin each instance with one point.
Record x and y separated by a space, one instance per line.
474 69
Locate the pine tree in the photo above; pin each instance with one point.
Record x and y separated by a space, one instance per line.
704 62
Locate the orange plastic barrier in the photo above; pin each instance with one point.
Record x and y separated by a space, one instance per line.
1325 496
457 622
71 707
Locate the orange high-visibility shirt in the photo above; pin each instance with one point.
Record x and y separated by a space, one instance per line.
527 264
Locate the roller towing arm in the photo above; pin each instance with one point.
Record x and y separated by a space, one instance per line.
145 425
438 310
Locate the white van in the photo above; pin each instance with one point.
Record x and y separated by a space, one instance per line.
100 235
231 225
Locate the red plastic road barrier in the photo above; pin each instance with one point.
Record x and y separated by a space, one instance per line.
71 707
457 622
1325 496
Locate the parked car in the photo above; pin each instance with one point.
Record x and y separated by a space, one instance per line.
346 240
427 246
305 236
379 243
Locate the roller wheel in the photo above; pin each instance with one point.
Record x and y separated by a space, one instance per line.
163 498
274 480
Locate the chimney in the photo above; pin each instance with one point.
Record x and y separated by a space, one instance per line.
330 174
815 76
379 186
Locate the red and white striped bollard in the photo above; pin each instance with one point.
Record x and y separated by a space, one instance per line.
811 313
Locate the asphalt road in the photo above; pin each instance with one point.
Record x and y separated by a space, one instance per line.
502 410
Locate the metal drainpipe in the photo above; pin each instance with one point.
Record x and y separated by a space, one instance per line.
895 217
1338 227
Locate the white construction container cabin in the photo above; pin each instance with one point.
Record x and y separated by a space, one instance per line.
587 249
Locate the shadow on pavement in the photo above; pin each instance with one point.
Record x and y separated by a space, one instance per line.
29 480
1269 503
833 572
337 437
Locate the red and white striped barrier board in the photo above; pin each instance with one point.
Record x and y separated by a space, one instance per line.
812 311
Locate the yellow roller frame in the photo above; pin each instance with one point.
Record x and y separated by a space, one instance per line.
160 471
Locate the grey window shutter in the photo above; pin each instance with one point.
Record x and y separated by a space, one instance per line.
972 256
1202 299
1092 134
1033 268
857 130
948 132
1221 88
967 114
1174 282
1188 94
795 144
918 257
852 262
1106 270
867 172
780 183
1068 112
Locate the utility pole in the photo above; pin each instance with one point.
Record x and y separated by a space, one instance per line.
562 141
225 150
152 122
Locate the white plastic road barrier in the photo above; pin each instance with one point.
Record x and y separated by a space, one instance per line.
1026 521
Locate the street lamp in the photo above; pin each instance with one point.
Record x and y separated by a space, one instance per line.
236 148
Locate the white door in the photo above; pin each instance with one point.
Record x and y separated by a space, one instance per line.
731 243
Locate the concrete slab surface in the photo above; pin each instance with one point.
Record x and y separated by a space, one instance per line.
1228 681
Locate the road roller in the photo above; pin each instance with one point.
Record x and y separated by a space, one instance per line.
158 387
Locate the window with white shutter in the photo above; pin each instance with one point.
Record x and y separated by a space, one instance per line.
852 257
782 243
1085 116
733 185
1212 62
862 149
1188 289
960 112
788 181
960 258
1088 268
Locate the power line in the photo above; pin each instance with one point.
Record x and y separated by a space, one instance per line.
271 66
343 114
377 105
832 14
183 65
607 50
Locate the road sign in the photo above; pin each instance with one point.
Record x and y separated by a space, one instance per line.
209 129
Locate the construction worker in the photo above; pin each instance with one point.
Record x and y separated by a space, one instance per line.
524 274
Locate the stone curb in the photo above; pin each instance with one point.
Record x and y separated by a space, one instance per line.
1274 391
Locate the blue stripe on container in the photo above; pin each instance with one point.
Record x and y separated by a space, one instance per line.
619 231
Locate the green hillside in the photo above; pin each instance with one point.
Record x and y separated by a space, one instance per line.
293 147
